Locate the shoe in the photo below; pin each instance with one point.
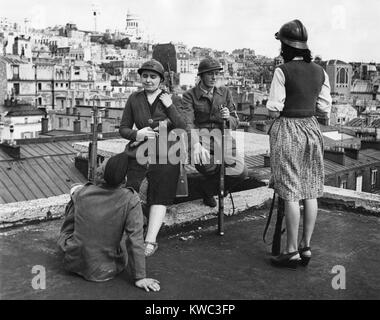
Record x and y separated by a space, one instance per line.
209 201
284 260
304 259
150 252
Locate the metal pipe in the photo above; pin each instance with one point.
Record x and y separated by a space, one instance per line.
94 144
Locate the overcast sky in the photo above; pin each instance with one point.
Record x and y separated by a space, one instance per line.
338 29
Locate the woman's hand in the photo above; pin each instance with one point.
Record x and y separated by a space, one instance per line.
166 99
148 284
145 132
201 155
225 113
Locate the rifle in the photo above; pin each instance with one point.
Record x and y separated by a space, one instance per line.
221 183
276 243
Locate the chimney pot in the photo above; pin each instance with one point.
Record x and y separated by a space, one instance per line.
44 125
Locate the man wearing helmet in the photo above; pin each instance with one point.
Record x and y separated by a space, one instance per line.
205 107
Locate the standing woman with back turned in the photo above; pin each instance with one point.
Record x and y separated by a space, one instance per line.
299 91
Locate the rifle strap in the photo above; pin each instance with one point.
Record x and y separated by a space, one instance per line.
269 216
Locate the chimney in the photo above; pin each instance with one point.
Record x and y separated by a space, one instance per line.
353 153
77 125
11 130
336 156
266 160
11 149
44 125
251 111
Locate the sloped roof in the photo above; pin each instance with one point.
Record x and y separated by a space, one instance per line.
362 86
24 113
21 110
45 170
375 123
366 157
335 61
357 122
12 59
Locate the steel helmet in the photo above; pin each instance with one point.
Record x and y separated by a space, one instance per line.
152 65
293 34
208 64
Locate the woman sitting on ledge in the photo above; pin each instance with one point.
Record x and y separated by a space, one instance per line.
147 109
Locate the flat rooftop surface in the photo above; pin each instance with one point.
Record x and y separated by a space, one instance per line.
204 265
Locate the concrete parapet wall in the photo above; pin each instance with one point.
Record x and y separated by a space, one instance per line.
195 210
19 213
361 202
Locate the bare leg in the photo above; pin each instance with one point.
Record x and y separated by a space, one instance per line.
156 217
292 218
310 216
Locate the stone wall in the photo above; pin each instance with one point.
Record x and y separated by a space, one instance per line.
19 213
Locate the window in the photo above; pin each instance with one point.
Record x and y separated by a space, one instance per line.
108 104
25 120
40 101
342 183
359 182
373 178
60 122
40 86
16 72
68 122
16 88
342 76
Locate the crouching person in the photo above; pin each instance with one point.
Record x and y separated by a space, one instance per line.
95 220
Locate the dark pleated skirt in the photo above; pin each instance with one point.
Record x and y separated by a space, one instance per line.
162 183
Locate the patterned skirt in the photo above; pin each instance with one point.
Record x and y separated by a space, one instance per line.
296 158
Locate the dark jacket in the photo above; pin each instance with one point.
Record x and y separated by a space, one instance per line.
200 112
95 222
138 111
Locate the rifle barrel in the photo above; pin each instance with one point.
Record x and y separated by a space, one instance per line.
221 188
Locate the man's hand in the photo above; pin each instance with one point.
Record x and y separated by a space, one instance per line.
225 113
201 155
145 132
148 284
166 99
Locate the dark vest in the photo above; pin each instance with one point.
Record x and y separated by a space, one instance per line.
303 84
